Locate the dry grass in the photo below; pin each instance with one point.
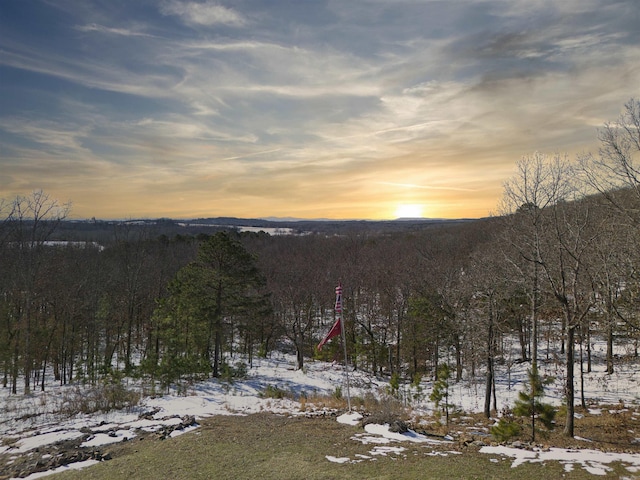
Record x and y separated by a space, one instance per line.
275 447
368 404
101 398
615 429
269 446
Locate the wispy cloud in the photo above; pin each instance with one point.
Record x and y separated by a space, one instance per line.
203 13
94 27
336 108
52 135
427 187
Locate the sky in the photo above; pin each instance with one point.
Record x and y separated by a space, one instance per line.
367 109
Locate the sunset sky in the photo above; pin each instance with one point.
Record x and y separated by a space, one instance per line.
364 109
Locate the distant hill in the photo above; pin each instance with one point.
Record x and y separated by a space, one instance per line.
102 230
325 226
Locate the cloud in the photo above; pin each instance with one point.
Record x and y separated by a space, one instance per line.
334 105
426 187
92 72
203 13
94 27
56 138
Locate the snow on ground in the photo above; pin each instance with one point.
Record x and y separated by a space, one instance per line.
381 438
350 418
64 468
593 461
29 422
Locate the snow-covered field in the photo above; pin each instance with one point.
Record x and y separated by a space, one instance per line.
30 422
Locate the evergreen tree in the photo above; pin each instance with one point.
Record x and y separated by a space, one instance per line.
505 429
222 286
529 403
440 394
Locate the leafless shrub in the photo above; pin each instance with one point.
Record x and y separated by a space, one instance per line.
101 398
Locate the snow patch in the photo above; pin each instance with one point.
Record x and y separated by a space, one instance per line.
410 436
109 438
593 461
350 418
39 440
337 459
176 433
63 468
383 450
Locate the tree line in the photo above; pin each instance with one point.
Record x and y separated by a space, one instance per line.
556 267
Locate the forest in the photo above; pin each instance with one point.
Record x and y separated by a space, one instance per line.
557 263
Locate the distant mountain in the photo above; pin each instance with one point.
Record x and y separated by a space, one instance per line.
103 230
294 219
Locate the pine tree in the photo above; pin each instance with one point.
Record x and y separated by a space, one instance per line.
529 403
440 394
223 284
505 429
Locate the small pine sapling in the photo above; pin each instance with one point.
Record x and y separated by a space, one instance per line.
506 428
418 395
529 403
394 385
440 393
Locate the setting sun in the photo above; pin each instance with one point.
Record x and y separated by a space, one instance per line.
409 211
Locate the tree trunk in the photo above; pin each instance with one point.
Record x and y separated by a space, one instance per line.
398 335
582 401
610 348
569 389
14 370
589 366
488 387
522 334
27 353
437 357
414 352
299 358
534 318
216 354
489 379
127 360
215 325
493 387
458 359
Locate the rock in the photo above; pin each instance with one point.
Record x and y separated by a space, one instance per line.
149 415
188 421
398 426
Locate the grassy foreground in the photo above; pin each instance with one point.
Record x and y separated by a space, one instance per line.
266 446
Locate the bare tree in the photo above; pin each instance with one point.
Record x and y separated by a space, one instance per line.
7 330
615 171
32 222
488 289
560 234
301 286
536 185
567 272
613 263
